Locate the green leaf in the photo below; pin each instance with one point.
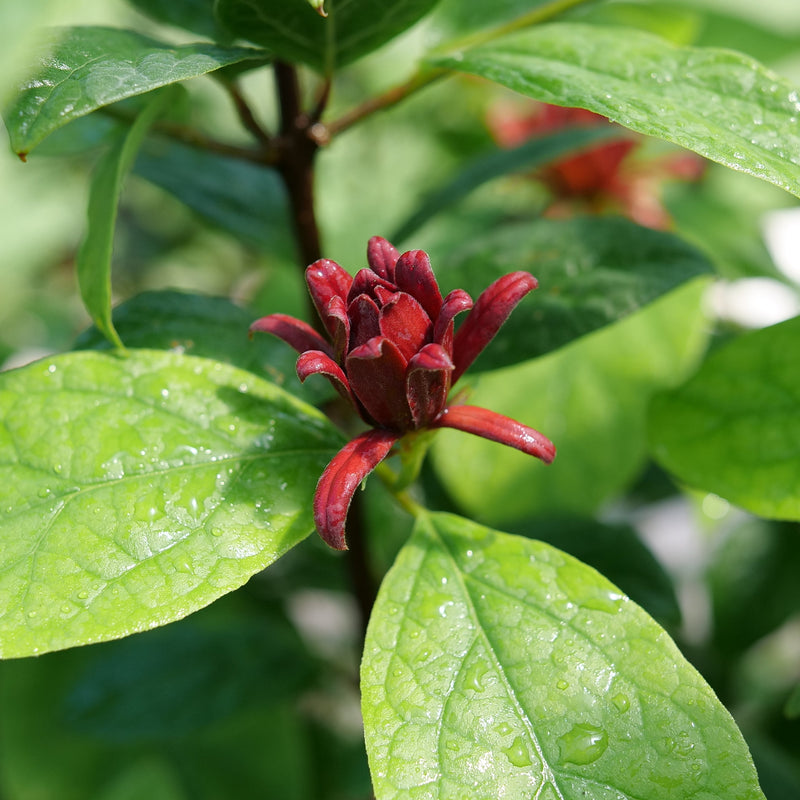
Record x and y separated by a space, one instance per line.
531 155
88 68
226 758
192 15
499 666
734 427
210 327
294 31
139 489
592 272
591 399
615 551
93 262
753 583
719 103
243 199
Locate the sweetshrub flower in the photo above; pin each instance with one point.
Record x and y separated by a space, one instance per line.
393 354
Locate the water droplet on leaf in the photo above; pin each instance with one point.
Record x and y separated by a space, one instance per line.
518 753
583 744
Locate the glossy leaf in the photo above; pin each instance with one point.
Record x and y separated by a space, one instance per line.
88 68
590 398
532 154
615 551
592 272
139 489
734 427
295 31
719 103
496 666
93 262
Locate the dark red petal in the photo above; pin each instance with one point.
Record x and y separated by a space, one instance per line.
488 315
342 477
364 317
413 274
326 279
294 332
376 371
427 383
455 302
338 326
404 322
382 256
365 282
494 426
315 362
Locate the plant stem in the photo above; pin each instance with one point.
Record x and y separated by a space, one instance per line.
385 100
297 146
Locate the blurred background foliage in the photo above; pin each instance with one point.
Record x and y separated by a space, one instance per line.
119 720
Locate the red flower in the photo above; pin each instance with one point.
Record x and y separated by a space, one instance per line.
601 177
393 354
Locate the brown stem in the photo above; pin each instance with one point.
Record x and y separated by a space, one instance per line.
387 99
297 145
246 115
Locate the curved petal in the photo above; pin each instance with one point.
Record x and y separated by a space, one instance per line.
365 282
404 321
494 426
455 302
325 280
338 324
427 383
294 332
382 256
315 362
413 274
342 477
377 374
364 316
487 316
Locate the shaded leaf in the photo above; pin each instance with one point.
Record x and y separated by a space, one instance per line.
192 15
139 489
753 583
719 103
247 201
93 262
592 272
295 31
532 154
88 68
499 666
590 398
734 427
211 327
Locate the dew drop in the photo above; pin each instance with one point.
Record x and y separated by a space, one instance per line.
518 753
503 728
44 492
32 614
621 701
65 609
583 744
562 684
83 595
473 679
58 468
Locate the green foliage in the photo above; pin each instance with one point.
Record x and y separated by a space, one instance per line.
171 485
88 68
142 488
655 88
733 428
592 398
349 29
592 272
493 660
